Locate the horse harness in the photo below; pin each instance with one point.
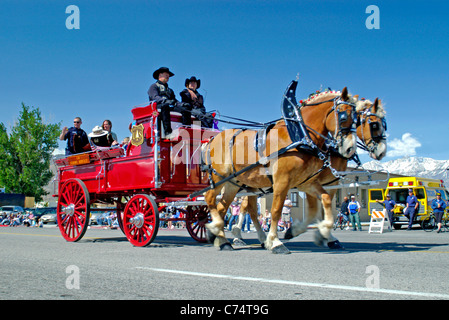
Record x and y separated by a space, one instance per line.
299 133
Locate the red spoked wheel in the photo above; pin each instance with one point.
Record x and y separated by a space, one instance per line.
73 211
141 220
197 217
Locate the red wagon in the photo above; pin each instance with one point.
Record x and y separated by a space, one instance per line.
151 173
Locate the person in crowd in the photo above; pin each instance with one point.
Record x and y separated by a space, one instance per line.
15 220
162 216
125 142
286 213
389 205
165 98
6 220
112 137
112 216
194 102
354 213
247 222
344 211
438 205
77 140
227 217
267 221
235 209
28 219
411 208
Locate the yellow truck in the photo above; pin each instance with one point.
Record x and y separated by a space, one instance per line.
424 189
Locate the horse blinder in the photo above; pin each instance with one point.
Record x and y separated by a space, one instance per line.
342 117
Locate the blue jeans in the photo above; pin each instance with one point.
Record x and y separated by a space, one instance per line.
247 221
410 213
236 218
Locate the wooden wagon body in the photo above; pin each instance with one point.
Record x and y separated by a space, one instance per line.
139 181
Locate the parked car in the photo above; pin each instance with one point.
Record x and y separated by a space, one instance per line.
49 215
39 212
49 218
11 209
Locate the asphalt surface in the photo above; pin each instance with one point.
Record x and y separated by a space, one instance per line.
40 264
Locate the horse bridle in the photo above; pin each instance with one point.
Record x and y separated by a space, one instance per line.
374 127
340 118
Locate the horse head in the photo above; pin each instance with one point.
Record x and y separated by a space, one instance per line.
341 123
371 127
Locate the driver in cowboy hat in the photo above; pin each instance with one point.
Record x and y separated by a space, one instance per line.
165 97
195 102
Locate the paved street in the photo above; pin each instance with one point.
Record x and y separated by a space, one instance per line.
40 264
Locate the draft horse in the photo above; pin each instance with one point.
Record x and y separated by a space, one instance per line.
371 127
231 151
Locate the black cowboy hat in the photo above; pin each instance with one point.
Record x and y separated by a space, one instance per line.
160 70
193 79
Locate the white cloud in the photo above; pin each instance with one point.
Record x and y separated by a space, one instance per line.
58 152
406 146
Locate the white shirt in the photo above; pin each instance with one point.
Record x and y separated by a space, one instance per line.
287 206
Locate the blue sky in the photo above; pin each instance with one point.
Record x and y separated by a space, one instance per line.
244 52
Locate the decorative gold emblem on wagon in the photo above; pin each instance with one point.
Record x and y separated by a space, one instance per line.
137 135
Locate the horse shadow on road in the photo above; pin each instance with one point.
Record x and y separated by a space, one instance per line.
184 240
356 247
161 241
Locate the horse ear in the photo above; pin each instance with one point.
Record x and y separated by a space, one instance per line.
345 94
375 105
356 97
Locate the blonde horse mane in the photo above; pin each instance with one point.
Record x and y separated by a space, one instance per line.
326 95
362 105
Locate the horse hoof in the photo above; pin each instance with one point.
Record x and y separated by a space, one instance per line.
210 237
226 247
262 245
239 242
280 250
335 245
288 234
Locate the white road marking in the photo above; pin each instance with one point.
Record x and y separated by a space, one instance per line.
301 284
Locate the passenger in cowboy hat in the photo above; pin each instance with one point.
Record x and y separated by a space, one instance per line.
164 97
195 102
99 137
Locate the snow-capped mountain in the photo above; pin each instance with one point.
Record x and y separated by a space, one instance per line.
413 166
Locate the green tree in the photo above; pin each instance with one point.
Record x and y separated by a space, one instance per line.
26 152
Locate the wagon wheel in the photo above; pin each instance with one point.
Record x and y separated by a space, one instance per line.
73 211
141 220
197 217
